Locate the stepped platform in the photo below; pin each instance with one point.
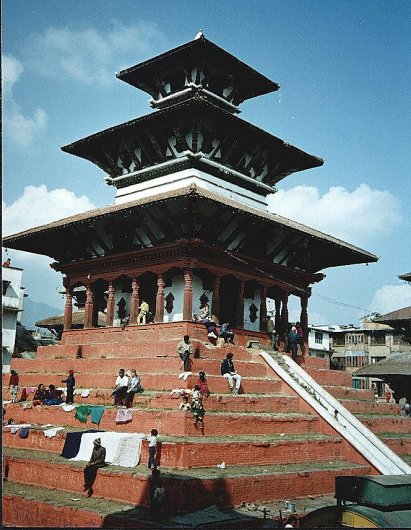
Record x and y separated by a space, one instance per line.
274 445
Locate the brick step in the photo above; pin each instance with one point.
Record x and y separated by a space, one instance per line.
167 363
175 422
330 377
193 452
148 349
400 443
379 423
206 486
158 381
344 392
369 407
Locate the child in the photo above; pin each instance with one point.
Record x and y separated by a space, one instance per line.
197 407
14 385
185 405
71 383
152 448
203 385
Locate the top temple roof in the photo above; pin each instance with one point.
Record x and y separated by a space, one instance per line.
198 64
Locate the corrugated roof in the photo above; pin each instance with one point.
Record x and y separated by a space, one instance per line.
395 365
399 314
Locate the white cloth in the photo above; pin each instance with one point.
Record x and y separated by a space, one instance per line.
67 408
15 428
85 392
109 440
128 451
185 375
50 433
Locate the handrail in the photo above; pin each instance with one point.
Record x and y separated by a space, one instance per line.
347 425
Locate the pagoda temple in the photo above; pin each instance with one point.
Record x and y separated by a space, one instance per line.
190 222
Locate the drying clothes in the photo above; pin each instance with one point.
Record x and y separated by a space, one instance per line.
82 412
109 440
51 433
185 375
124 415
129 450
27 405
96 414
72 443
85 392
15 428
67 408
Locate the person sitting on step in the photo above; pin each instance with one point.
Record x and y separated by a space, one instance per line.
229 372
121 387
40 395
134 386
226 333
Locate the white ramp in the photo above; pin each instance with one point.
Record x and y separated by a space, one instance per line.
347 425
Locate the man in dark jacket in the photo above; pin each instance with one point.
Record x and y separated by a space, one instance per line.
293 343
98 459
228 371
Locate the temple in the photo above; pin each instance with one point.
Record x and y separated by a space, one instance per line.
190 221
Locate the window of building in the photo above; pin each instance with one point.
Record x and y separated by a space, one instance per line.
354 338
378 338
339 340
318 337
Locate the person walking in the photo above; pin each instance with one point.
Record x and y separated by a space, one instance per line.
229 372
185 349
71 383
97 460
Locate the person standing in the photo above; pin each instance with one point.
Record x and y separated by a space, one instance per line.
292 339
71 383
142 315
197 407
152 448
229 372
300 334
185 349
14 385
271 331
121 387
98 459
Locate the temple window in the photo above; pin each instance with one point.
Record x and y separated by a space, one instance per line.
253 312
169 302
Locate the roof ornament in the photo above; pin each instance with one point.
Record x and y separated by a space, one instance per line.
199 35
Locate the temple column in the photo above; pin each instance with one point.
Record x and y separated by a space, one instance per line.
110 304
188 295
304 320
240 306
68 309
160 299
283 319
215 306
135 300
263 308
88 309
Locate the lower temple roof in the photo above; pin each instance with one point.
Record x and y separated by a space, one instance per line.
188 213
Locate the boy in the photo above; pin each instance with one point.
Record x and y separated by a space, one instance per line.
152 448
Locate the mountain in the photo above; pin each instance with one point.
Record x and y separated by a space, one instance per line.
34 311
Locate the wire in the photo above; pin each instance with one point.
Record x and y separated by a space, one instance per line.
336 302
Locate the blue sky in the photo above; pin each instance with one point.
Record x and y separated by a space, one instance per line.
345 76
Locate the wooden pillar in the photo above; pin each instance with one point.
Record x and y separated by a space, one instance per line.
263 308
188 295
88 310
110 304
160 299
277 318
215 306
304 320
284 311
240 306
97 298
68 309
135 300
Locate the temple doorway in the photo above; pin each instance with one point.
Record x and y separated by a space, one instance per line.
229 291
148 290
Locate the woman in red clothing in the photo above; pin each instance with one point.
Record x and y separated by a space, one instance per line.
202 383
14 385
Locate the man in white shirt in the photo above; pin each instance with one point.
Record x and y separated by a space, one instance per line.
121 387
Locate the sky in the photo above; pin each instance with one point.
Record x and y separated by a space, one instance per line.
345 74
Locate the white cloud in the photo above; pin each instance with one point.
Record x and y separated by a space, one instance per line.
88 55
359 217
38 206
18 128
391 297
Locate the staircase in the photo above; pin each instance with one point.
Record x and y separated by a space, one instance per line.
275 444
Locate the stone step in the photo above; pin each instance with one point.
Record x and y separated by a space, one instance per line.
167 363
400 443
344 392
330 377
380 423
369 407
193 452
187 490
175 422
158 381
